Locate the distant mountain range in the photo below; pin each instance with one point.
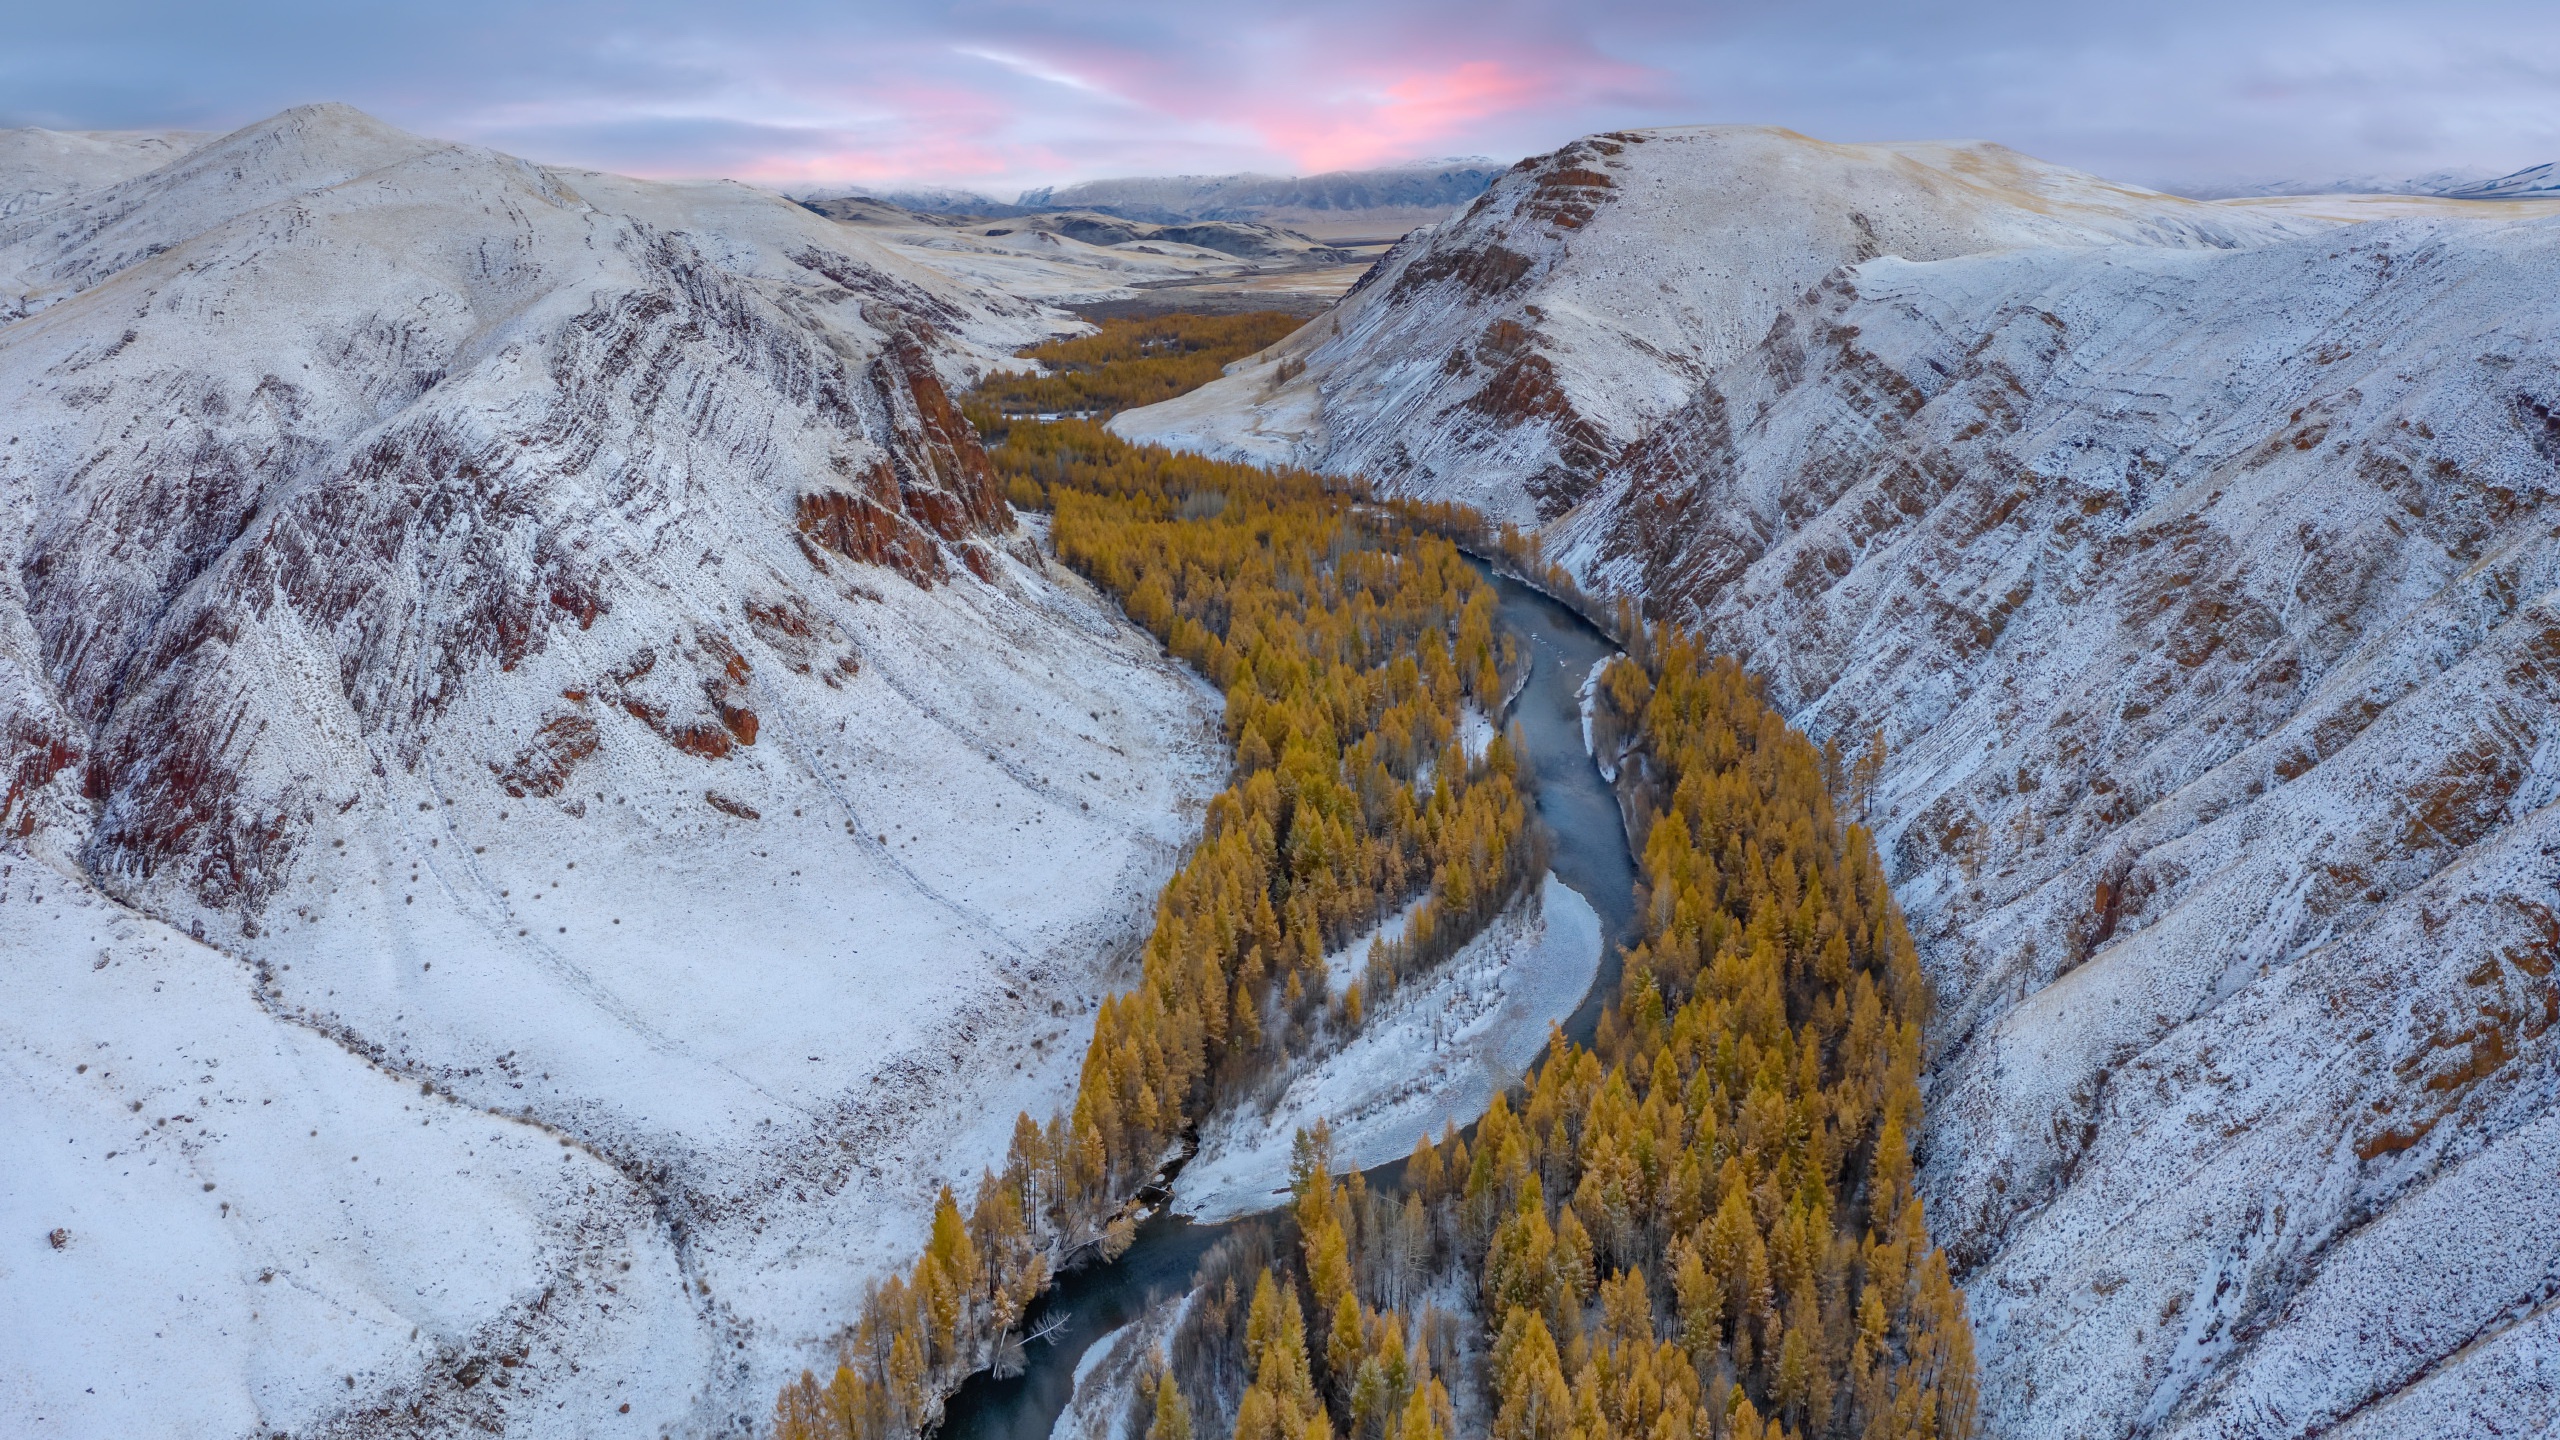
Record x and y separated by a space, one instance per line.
1441 186
2533 182
1384 201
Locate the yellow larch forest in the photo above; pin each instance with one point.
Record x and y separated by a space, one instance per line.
1128 363
1702 1227
1349 645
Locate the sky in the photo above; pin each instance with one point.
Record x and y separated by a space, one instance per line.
994 97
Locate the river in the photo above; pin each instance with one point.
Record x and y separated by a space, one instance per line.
1589 854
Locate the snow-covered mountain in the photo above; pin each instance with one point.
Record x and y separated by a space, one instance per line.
1506 357
2467 183
547 800
2200 564
2534 182
1381 202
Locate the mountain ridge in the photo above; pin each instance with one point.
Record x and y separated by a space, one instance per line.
1377 203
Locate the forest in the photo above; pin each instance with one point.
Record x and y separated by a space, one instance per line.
1130 362
1703 1225
1350 646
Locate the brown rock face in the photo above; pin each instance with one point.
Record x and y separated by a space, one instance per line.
935 488
543 767
264 580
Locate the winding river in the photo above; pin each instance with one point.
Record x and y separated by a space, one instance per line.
1590 855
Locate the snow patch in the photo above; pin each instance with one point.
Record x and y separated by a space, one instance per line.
1345 967
1112 1369
1432 1055
1475 731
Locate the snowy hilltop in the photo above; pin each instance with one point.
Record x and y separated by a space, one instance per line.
2194 564
550 803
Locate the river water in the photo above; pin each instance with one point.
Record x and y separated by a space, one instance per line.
1589 854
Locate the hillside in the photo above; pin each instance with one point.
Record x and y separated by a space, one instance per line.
1104 265
362 493
38 167
2196 564
1505 357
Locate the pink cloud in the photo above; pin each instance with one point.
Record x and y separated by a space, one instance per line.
1052 102
1403 117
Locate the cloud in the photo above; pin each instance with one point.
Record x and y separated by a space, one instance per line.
1032 68
1371 120
1005 93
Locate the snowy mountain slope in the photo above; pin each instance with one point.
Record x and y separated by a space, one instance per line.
38 166
552 637
2209 602
1506 356
2533 182
2206 587
214 1220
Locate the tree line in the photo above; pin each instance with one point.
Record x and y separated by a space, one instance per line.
1129 363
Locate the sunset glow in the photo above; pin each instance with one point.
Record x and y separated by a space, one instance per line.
1000 96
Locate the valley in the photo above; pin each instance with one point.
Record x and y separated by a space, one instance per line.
1415 1087
1754 985
641 808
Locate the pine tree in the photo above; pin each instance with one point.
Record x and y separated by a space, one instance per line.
1173 1414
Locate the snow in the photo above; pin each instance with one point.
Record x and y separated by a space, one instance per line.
1587 699
1432 1055
1344 967
1475 731
1099 1351
38 167
251 1213
1111 1370
2198 562
362 462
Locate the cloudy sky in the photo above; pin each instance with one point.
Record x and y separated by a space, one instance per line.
995 96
